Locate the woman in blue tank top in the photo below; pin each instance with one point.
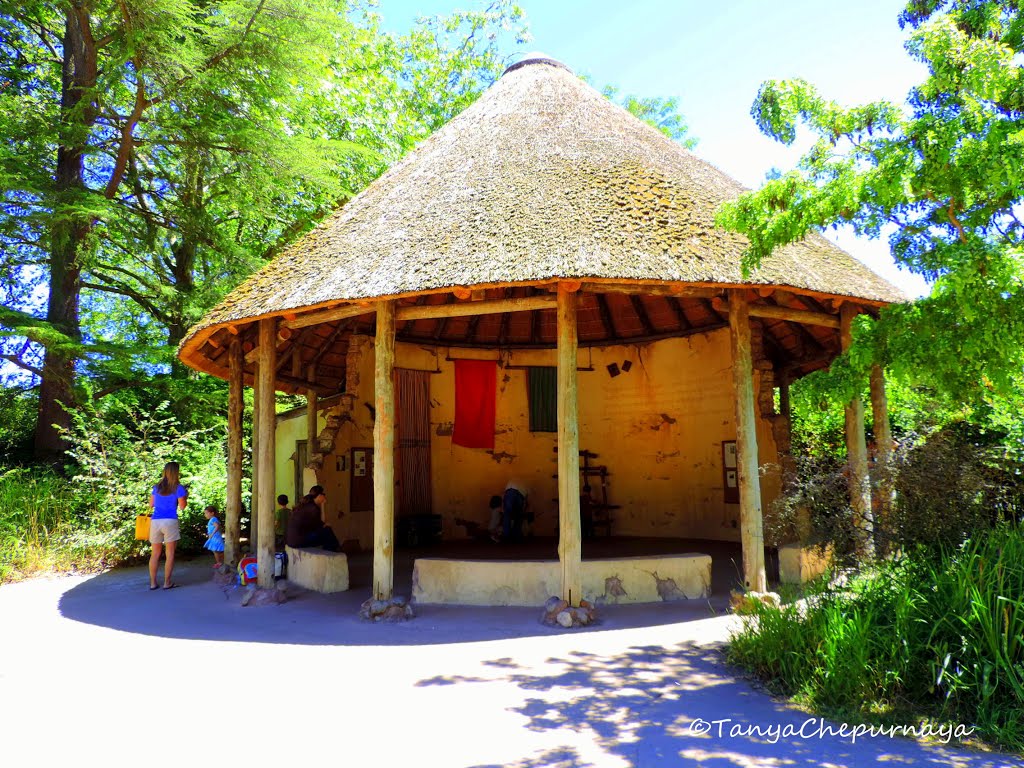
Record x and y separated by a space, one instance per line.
168 497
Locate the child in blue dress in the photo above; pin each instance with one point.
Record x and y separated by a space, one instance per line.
214 537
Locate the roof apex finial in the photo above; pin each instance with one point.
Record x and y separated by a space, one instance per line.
536 57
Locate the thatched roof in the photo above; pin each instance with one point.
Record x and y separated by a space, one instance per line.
541 178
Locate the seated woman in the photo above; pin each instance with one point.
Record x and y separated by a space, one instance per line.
306 526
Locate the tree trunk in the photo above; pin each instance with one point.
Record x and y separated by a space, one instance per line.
185 252
857 453
69 234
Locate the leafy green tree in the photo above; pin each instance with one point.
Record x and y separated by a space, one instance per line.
942 176
657 112
168 146
92 78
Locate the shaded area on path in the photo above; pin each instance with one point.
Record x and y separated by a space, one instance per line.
201 610
638 708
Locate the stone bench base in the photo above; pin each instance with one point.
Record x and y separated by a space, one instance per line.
318 569
798 565
531 582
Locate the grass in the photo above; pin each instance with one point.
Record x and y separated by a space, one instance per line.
45 526
935 637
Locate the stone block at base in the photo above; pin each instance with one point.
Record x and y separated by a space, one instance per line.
659 578
798 565
318 569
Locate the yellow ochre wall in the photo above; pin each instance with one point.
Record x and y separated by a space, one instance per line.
658 428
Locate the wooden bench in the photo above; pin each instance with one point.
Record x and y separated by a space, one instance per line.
317 569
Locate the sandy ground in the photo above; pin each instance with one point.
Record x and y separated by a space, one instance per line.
101 671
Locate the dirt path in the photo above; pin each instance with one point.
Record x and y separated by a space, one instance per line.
100 671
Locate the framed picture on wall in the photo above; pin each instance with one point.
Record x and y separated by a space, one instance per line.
729 454
730 472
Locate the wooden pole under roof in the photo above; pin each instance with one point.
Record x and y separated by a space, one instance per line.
569 527
751 523
265 368
233 500
384 453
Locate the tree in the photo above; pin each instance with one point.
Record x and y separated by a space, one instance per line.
657 112
91 73
943 174
168 146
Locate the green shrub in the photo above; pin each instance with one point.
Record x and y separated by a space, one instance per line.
20 410
40 522
936 635
948 485
119 460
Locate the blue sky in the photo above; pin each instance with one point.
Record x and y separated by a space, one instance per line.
713 56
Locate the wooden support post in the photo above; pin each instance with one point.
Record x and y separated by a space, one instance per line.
265 368
233 502
569 529
384 453
882 486
751 524
857 451
254 511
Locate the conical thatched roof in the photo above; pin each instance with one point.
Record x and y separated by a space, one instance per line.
542 178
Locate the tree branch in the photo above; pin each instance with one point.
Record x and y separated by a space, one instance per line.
216 59
950 211
124 150
24 366
138 298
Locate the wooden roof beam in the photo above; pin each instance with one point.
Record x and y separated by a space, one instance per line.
297 343
606 317
801 316
503 329
677 307
320 389
326 344
641 313
471 328
329 315
660 289
486 307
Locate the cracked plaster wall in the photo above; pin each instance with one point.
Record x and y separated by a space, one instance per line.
658 428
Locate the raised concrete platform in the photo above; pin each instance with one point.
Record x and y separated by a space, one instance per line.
647 579
318 569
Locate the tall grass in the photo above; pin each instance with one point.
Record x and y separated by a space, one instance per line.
937 635
44 526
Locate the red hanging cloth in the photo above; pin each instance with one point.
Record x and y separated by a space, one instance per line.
476 384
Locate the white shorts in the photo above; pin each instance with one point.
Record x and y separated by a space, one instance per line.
161 531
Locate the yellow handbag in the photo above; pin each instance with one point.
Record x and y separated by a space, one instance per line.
142 527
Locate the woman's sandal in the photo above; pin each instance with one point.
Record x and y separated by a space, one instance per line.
152 587
170 586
